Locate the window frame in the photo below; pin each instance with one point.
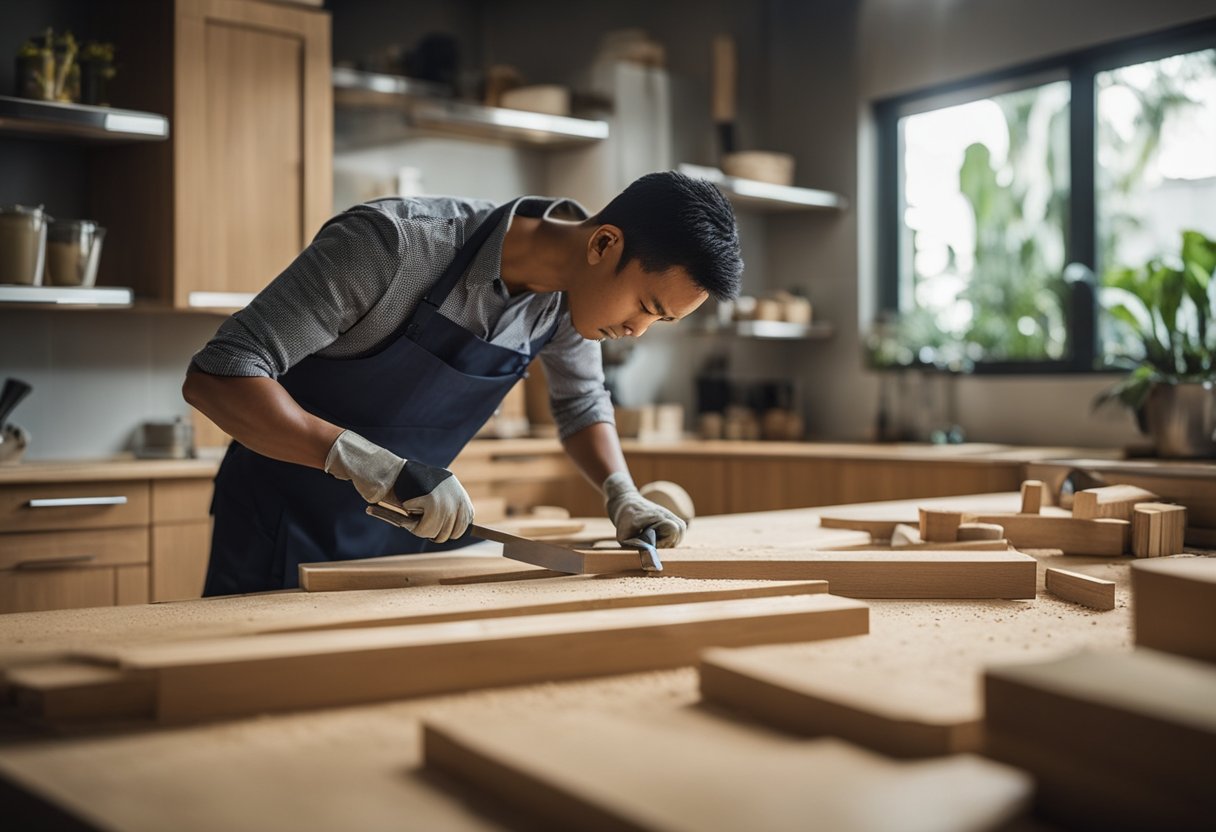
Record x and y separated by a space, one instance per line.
1080 69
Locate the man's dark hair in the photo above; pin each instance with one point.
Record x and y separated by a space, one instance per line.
669 220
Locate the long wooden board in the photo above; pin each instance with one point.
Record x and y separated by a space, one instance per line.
898 714
1146 714
288 671
398 571
1080 588
991 571
690 771
1174 605
1070 535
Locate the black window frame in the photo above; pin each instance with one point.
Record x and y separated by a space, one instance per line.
1080 69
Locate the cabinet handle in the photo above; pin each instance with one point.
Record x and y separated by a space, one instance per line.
60 502
55 563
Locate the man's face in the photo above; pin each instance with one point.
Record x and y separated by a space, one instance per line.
606 304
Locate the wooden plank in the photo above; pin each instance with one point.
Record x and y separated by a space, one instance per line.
286 671
1158 529
1110 501
685 771
897 714
1070 535
398 571
957 546
1174 605
1144 713
890 573
981 531
67 690
604 595
1081 589
1034 493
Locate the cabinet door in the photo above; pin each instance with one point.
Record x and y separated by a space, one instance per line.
179 559
253 127
34 590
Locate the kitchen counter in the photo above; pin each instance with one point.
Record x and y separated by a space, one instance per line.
263 771
118 468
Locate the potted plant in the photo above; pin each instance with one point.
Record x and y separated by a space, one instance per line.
1169 307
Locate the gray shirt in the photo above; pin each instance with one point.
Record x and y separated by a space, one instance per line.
366 271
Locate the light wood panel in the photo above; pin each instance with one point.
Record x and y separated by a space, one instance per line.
1068 534
98 547
31 590
897 714
691 771
180 552
255 674
181 500
16 514
131 585
253 133
705 480
756 485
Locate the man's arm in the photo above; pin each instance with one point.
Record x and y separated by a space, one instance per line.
259 413
596 450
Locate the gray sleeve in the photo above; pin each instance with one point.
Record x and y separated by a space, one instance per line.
331 285
575 372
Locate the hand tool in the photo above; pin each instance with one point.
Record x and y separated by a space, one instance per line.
645 543
548 555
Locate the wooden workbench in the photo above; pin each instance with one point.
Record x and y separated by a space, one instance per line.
358 768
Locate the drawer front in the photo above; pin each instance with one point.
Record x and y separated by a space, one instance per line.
45 551
32 590
177 501
85 505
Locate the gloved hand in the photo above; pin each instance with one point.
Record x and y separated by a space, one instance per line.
444 508
632 513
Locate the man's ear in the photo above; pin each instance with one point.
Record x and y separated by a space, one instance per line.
605 241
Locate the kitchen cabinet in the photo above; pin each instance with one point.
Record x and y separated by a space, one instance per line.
87 543
208 218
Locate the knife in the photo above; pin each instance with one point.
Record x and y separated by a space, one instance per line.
548 555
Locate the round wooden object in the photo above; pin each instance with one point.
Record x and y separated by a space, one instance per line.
980 531
671 497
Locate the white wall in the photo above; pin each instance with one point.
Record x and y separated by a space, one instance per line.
97 374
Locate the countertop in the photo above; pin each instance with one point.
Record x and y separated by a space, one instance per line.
263 771
977 453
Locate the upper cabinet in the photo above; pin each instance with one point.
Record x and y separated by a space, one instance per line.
245 180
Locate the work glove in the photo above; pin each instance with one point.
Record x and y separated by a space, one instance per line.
443 508
633 514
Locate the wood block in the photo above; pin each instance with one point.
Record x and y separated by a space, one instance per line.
1081 589
1158 529
901 715
1033 494
67 690
1174 605
940 526
1110 501
685 771
1068 534
1146 714
956 546
286 671
981 531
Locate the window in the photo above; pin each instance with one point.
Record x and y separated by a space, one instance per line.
990 189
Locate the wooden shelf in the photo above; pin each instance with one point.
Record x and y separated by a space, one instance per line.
424 110
27 117
771 330
752 195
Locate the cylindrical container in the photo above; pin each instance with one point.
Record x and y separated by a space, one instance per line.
1182 419
22 244
73 251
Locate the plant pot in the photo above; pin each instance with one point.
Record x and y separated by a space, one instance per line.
1182 419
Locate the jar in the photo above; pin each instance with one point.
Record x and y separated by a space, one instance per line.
22 244
73 251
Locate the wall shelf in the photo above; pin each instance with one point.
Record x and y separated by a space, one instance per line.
425 110
750 194
771 330
41 119
59 297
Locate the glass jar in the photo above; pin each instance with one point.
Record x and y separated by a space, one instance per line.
73 251
22 244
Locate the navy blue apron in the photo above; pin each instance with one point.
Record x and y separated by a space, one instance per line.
423 393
